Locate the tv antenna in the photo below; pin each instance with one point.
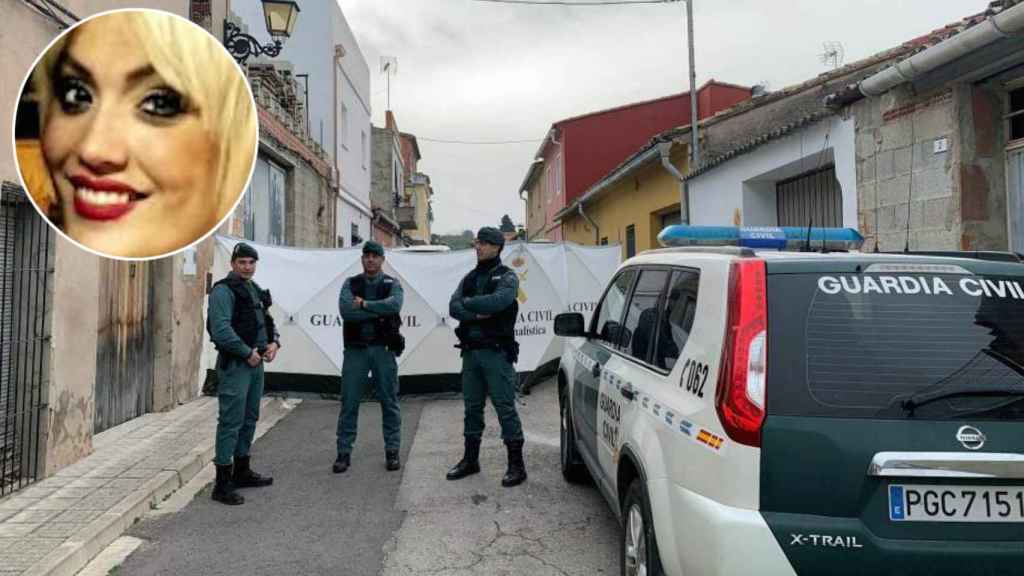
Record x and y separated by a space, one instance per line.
388 67
832 54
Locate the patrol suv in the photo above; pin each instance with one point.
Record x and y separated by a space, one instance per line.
747 410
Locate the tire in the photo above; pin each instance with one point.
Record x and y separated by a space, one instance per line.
574 470
639 550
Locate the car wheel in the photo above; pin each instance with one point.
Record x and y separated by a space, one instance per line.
639 555
573 468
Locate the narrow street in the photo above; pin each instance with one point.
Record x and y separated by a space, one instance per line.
369 521
309 522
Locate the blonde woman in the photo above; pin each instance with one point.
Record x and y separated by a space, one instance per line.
148 130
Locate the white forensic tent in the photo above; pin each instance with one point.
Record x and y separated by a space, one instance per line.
305 284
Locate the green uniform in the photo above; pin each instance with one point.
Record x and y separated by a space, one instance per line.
486 367
239 386
361 360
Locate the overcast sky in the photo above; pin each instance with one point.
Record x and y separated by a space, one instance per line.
480 71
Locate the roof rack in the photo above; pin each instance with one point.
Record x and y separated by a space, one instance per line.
990 255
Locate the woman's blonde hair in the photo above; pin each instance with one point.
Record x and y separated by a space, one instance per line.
195 64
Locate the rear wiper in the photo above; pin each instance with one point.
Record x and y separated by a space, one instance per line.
918 400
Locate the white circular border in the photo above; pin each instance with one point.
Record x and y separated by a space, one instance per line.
14 142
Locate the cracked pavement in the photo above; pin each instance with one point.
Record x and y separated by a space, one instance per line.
475 526
371 522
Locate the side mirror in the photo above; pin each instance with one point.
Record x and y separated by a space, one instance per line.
569 325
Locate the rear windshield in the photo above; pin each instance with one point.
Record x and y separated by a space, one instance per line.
912 346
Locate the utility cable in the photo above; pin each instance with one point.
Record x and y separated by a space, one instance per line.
479 142
581 2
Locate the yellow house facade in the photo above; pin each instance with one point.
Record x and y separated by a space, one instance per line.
631 205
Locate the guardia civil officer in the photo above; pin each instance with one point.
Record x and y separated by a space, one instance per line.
485 306
370 304
243 332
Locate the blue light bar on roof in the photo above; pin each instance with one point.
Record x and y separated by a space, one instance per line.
772 238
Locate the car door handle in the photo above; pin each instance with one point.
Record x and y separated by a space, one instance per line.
627 393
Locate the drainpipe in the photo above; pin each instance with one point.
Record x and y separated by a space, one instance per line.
339 53
1009 22
597 229
665 148
526 214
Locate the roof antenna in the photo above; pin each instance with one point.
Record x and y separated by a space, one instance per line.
807 244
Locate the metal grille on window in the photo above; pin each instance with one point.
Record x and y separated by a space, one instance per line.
814 197
25 276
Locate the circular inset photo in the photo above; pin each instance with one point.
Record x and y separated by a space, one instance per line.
136 134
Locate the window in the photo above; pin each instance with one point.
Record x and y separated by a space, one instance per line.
838 352
1017 114
630 241
641 321
356 239
670 218
344 127
604 241
340 242
813 197
265 218
677 322
609 313
363 148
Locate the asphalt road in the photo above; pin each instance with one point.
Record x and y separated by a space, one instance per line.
310 521
372 522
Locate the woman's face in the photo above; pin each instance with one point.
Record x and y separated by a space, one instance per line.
133 166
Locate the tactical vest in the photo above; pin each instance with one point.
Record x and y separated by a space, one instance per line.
499 330
386 328
244 320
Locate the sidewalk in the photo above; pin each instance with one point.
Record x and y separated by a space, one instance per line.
57 525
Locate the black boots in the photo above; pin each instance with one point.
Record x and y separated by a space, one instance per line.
224 488
391 460
341 463
470 463
244 477
516 473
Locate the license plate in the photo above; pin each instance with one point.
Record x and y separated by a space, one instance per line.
931 503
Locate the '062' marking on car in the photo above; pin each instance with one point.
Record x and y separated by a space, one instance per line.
824 541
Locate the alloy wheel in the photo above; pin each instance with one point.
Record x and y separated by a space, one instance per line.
636 542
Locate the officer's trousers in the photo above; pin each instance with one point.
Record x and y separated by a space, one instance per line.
239 392
355 368
487 371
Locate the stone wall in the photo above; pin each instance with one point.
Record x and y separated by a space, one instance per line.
904 173
382 189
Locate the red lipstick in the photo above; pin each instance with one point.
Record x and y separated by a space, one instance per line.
86 206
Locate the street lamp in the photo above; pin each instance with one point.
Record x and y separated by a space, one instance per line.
280 16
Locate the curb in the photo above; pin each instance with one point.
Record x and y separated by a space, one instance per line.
84 545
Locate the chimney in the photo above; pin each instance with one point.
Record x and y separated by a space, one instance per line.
389 121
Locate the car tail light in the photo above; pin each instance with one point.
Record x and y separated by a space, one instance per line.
739 399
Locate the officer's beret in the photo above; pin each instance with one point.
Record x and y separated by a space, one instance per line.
491 235
371 247
243 250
